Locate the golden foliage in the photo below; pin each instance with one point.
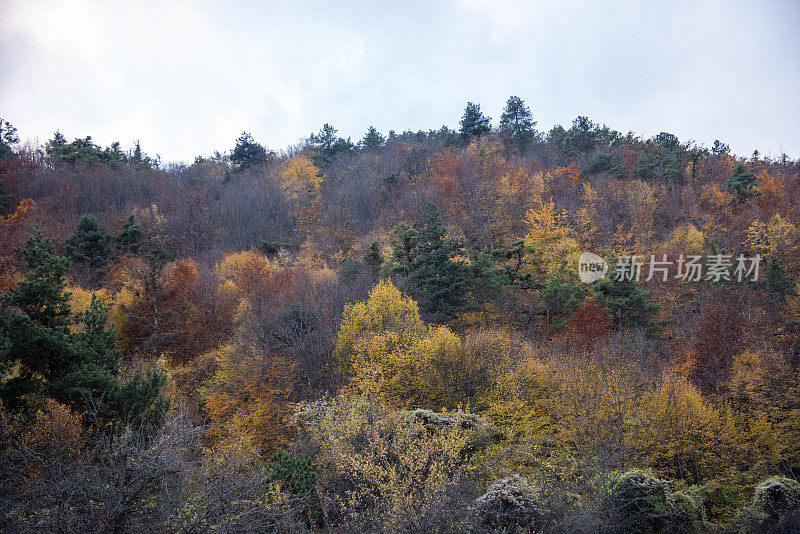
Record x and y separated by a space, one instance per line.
550 237
301 179
250 394
396 471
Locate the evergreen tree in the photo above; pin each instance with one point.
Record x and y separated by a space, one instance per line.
130 237
374 258
327 145
775 278
42 357
487 278
247 153
474 123
404 244
668 141
518 119
741 182
90 246
34 320
8 138
372 139
719 148
627 302
441 282
561 295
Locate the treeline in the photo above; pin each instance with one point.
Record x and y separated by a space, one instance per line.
391 334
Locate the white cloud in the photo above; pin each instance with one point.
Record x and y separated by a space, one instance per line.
187 77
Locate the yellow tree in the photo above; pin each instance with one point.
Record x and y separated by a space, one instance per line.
374 335
250 394
550 238
680 435
521 400
586 223
301 179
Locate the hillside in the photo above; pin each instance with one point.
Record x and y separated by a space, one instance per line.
396 334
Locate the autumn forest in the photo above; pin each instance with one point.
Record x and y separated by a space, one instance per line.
393 334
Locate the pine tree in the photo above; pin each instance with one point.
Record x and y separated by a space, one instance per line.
561 295
518 119
34 324
373 139
44 358
374 258
474 123
90 246
775 278
404 244
627 302
327 145
440 281
247 153
130 237
741 182
8 138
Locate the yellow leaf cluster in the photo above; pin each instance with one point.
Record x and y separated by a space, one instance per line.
549 236
301 178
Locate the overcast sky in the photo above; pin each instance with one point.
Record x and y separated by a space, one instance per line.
186 78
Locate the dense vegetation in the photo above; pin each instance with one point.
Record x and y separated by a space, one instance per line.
390 335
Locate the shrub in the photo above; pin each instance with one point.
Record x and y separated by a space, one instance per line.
513 504
389 471
641 503
773 501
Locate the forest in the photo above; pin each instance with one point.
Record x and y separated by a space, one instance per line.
393 334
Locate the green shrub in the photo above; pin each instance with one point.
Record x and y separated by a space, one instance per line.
297 475
638 502
773 500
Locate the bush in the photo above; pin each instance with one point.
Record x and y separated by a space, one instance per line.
382 470
639 502
297 475
775 500
513 504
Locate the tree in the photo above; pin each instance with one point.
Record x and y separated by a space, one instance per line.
327 145
550 238
404 244
582 136
8 138
474 123
247 153
84 151
742 183
44 357
719 148
518 119
372 333
668 141
90 246
626 301
775 279
92 382
301 179
372 139
130 237
250 394
35 319
441 281
373 257
561 295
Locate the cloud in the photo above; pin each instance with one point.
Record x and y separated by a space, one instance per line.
187 77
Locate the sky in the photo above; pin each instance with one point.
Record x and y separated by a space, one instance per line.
187 77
